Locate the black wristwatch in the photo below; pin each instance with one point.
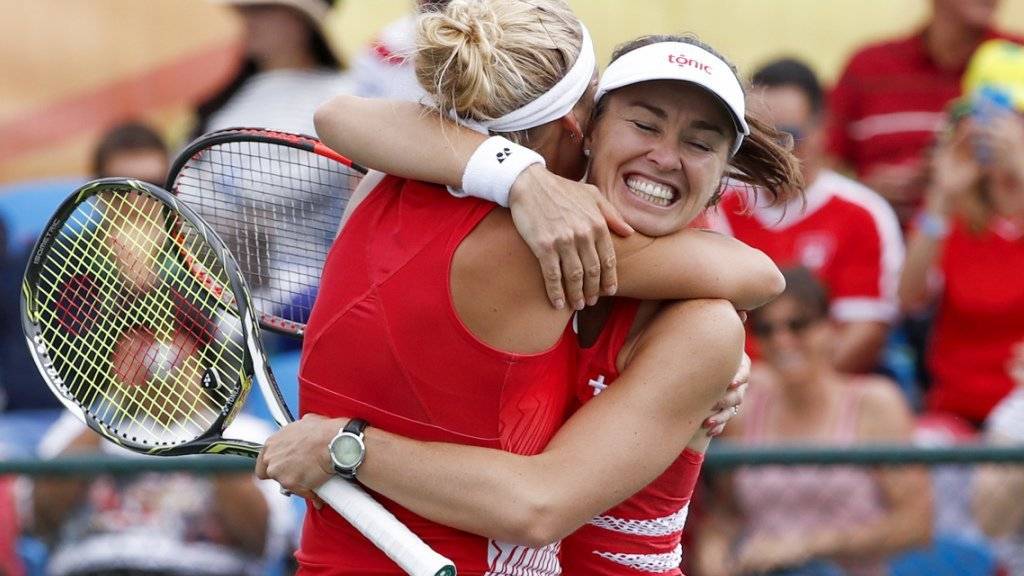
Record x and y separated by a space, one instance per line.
347 450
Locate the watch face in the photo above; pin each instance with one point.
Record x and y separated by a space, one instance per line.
347 451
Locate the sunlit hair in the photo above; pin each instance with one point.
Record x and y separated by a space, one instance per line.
481 59
761 161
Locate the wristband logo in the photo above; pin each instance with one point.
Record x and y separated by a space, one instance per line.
501 156
684 62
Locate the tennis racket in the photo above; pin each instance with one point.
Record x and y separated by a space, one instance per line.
276 199
141 324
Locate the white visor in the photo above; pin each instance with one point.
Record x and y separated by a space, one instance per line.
684 62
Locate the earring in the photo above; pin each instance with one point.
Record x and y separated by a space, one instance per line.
586 152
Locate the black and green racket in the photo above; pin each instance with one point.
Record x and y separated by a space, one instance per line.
141 324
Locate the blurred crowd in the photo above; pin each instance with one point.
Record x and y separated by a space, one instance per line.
903 321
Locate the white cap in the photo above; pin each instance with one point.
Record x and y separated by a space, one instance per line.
684 62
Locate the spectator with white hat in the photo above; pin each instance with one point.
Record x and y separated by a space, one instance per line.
289 70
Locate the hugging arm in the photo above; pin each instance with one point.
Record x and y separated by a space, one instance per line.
625 437
696 264
565 223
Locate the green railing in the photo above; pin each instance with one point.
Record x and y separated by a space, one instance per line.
720 457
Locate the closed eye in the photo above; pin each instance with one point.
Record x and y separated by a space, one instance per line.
644 127
701 146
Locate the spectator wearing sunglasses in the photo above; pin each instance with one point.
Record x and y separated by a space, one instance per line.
768 518
843 232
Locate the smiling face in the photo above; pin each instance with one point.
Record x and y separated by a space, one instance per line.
658 152
793 339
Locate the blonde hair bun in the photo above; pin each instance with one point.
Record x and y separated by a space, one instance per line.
481 59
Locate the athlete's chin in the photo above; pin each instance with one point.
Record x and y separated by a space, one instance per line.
654 225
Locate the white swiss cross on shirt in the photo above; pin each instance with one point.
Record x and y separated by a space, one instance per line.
598 385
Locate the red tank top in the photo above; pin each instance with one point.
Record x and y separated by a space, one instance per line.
385 343
640 536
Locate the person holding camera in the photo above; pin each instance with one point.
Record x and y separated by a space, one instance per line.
965 254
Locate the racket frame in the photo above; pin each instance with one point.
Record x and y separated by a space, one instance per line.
348 499
211 441
194 152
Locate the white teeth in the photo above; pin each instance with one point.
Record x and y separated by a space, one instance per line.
650 191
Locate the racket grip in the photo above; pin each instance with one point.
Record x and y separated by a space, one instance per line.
382 528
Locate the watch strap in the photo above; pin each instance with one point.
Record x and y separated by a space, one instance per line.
355 426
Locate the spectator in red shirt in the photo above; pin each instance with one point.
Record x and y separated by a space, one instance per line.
970 235
845 233
889 101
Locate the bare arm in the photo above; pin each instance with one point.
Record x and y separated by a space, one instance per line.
243 511
922 255
997 504
696 264
954 172
566 224
858 345
997 488
396 137
54 499
626 437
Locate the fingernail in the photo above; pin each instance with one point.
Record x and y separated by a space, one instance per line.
559 304
592 300
612 290
578 305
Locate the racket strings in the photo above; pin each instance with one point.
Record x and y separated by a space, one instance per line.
277 208
131 329
107 337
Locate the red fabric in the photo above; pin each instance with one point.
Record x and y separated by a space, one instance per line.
841 242
10 564
385 343
980 317
894 77
663 497
848 236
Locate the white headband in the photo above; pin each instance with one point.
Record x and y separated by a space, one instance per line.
551 105
680 61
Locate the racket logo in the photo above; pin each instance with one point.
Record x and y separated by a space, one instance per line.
210 379
44 359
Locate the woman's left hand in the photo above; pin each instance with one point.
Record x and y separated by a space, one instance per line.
767 553
729 406
296 456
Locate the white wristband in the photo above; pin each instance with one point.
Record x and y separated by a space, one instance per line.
493 169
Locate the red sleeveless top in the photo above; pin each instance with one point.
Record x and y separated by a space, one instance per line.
385 343
640 536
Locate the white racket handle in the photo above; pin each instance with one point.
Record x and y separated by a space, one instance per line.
382 528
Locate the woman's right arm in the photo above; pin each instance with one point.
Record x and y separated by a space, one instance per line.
397 137
953 173
565 223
